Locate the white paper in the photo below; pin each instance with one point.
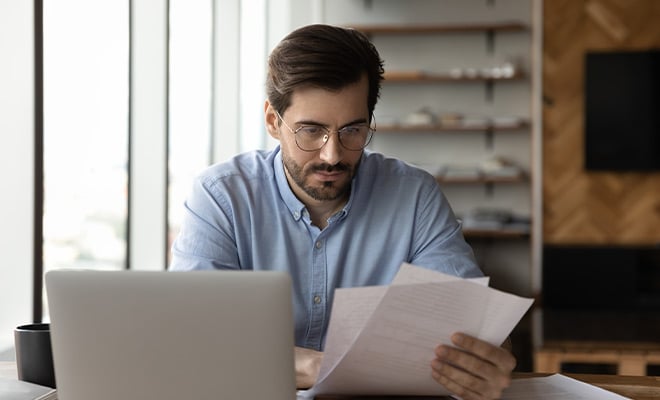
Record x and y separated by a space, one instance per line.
409 273
556 387
385 346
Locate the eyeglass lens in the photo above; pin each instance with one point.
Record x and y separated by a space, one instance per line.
312 138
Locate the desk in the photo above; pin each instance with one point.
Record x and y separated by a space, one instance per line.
635 387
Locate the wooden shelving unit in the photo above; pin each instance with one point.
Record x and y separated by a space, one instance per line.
484 179
439 128
494 234
384 29
426 77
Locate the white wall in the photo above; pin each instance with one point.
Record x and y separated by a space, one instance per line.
16 166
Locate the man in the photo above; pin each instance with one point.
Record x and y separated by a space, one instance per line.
328 211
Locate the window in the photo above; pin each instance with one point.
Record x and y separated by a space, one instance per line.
85 134
217 53
189 101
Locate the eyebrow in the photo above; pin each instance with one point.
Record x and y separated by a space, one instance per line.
316 123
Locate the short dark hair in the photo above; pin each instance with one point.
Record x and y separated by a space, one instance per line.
324 56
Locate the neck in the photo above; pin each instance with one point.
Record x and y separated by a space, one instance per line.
321 211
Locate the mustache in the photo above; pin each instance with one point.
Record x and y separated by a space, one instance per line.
331 168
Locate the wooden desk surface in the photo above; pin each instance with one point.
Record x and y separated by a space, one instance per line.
634 387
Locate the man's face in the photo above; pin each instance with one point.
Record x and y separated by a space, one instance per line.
323 175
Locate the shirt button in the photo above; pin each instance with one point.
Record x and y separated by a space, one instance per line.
317 299
318 244
296 215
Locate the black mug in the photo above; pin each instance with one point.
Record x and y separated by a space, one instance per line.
34 356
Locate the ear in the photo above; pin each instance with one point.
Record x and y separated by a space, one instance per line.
272 121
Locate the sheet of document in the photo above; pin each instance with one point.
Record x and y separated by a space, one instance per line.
409 274
381 339
556 387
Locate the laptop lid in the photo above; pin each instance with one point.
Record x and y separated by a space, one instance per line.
172 335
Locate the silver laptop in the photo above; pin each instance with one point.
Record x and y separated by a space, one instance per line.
172 335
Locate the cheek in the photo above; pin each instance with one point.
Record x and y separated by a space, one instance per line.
354 159
292 153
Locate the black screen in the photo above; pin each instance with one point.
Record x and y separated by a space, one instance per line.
622 106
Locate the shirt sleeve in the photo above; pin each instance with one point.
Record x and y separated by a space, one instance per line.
206 239
439 243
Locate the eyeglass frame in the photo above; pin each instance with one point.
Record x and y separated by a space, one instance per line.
326 138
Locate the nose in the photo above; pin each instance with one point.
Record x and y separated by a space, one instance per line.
332 150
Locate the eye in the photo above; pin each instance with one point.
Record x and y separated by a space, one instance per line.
353 130
311 130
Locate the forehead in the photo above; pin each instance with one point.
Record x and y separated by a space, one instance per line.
330 106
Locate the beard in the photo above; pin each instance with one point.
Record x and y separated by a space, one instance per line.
328 191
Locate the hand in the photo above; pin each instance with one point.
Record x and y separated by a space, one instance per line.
308 363
474 369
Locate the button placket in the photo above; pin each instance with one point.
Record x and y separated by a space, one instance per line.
317 293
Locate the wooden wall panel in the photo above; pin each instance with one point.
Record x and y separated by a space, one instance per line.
583 207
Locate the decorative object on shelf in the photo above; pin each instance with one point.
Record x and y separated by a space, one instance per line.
496 169
466 74
506 121
469 123
475 121
460 172
423 116
449 119
495 219
506 70
500 167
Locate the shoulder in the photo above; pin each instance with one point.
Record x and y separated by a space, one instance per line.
377 165
252 166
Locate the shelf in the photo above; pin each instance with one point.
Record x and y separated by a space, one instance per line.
396 29
421 76
494 234
451 128
482 179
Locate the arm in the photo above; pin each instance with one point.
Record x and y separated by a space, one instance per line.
207 236
438 241
474 369
308 363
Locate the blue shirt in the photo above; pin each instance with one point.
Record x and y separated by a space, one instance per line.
242 214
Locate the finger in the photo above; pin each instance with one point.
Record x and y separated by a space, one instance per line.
472 365
462 383
496 355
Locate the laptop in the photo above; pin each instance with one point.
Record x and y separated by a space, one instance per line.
172 335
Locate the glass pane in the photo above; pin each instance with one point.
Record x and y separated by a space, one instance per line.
253 74
190 87
86 49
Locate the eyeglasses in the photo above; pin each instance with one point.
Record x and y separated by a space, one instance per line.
313 137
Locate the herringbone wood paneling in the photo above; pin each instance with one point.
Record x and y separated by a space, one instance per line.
585 207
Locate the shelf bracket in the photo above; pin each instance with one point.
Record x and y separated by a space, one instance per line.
490 189
490 41
489 89
490 138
